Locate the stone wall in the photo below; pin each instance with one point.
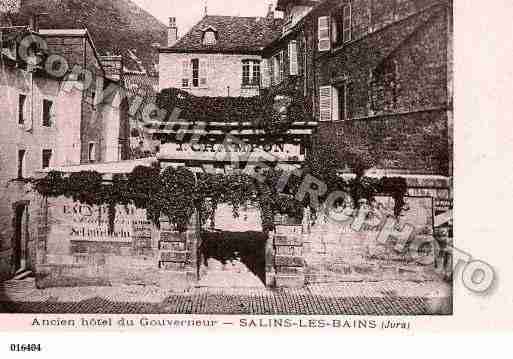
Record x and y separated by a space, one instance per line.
414 142
337 251
397 74
75 248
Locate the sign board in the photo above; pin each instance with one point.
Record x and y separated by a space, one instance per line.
223 151
84 223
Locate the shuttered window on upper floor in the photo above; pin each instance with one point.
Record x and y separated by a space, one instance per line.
293 58
323 26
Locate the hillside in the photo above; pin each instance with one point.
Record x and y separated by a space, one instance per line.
115 25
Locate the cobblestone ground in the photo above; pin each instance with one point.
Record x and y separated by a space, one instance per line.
379 298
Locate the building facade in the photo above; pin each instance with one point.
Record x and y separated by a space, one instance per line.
48 121
378 76
104 134
220 56
382 81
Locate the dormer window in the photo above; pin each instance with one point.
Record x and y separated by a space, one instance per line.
209 36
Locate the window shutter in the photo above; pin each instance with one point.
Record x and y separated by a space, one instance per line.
324 33
293 62
347 23
282 66
270 65
264 71
185 73
203 72
325 105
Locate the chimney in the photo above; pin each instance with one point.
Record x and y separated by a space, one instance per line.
172 32
270 11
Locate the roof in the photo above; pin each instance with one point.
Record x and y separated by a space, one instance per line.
234 34
73 33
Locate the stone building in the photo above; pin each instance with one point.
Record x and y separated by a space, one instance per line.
103 136
219 56
378 75
48 121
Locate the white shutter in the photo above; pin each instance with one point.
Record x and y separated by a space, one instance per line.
264 71
324 33
203 72
325 105
282 65
346 20
293 62
271 71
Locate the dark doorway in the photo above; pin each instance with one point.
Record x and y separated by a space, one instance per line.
240 248
17 245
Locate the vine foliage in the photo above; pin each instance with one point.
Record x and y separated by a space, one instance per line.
178 193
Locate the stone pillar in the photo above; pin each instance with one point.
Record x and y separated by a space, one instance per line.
178 255
285 265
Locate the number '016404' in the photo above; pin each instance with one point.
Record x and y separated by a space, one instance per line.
25 347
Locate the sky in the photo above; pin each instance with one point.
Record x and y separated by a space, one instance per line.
189 12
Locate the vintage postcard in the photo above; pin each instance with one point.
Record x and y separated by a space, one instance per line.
208 164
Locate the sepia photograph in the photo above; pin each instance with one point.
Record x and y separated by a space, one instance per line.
289 157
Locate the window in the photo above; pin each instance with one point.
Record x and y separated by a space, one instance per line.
203 71
92 152
47 157
341 30
341 102
21 163
334 103
47 113
293 61
22 99
195 72
209 38
385 88
256 73
251 73
246 72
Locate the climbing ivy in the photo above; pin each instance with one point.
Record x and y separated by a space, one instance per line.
178 193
